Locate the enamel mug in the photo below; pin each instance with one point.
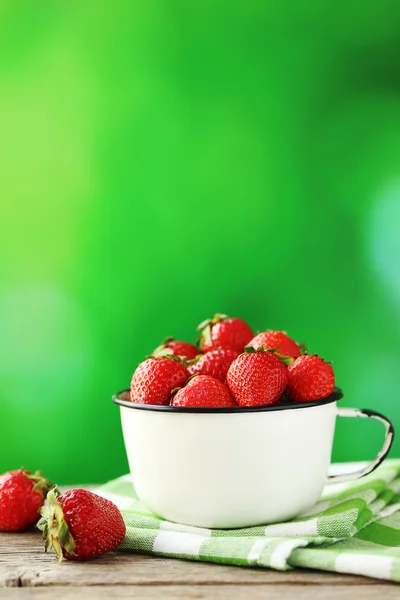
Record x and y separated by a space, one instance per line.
235 467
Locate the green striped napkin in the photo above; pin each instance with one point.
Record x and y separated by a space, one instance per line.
354 528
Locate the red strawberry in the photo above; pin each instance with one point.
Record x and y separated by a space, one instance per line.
80 525
178 348
21 496
205 392
155 378
257 378
223 332
310 378
278 340
214 363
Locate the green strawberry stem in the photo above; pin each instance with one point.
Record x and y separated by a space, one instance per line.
166 353
303 348
205 336
41 484
286 360
194 361
209 322
205 328
162 349
162 352
53 526
251 349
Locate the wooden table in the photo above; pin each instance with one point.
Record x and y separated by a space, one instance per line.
27 572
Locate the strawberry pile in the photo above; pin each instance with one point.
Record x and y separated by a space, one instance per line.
231 367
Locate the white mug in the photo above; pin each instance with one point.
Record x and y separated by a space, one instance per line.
235 467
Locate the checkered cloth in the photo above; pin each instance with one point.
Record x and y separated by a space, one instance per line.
354 528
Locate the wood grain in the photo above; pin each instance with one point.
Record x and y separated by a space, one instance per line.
207 592
23 563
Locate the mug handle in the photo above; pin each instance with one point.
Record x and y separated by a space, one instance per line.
383 452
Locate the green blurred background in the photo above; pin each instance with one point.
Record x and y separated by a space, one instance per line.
163 161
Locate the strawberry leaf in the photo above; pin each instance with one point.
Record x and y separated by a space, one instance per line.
54 528
303 348
286 360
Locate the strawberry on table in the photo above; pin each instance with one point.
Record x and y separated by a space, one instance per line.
155 378
278 340
204 391
184 349
214 363
257 378
21 496
80 525
224 332
310 378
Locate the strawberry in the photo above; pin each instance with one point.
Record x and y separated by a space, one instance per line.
257 378
223 332
21 496
155 378
214 363
310 378
205 392
277 340
80 525
183 349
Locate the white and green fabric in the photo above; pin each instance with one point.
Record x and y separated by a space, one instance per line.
355 528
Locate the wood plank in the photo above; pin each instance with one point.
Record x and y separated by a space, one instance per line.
206 592
140 570
23 563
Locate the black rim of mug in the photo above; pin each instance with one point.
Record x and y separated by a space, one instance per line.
334 397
